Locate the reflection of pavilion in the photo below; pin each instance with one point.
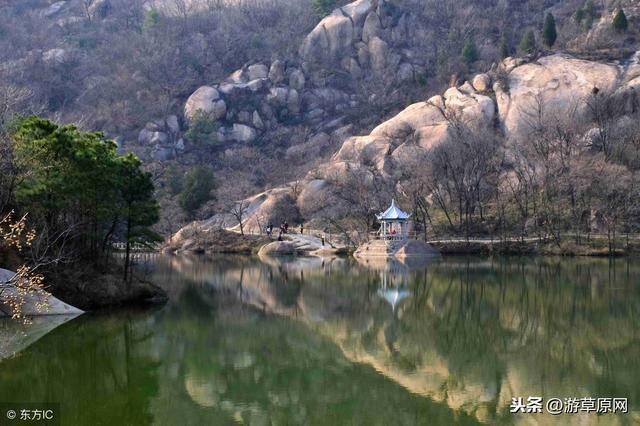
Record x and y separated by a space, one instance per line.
394 295
394 284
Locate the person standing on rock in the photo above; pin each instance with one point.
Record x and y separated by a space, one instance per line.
301 229
322 240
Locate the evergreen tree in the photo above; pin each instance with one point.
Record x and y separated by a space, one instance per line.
503 48
469 52
620 23
549 33
140 210
76 181
528 42
196 190
323 7
585 15
590 9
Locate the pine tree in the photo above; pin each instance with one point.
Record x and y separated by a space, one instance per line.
620 23
197 187
469 52
528 42
549 33
590 9
503 48
323 7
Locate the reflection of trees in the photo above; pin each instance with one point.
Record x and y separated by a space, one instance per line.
530 327
473 333
97 367
255 370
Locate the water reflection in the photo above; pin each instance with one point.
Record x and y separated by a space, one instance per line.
17 335
309 341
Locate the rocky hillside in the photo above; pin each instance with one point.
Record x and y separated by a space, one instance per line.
503 102
272 84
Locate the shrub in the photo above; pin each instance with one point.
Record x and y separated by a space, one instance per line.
202 129
173 180
528 42
151 20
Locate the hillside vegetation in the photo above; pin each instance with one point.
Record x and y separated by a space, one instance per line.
282 86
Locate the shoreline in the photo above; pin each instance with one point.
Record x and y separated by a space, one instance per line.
535 248
211 242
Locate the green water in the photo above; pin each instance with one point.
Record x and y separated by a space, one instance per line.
309 342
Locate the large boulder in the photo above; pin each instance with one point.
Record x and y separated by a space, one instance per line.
558 82
172 124
482 82
419 127
334 36
54 306
379 52
256 120
293 102
159 138
405 73
276 72
243 133
162 153
278 96
204 99
53 9
278 248
219 110
257 71
372 27
297 80
144 137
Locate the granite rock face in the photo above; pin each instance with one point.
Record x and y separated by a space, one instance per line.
278 248
563 83
55 306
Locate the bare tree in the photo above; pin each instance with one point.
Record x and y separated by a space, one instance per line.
239 211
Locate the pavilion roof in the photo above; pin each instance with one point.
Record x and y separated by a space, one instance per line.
393 213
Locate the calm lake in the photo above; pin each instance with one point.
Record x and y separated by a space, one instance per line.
336 342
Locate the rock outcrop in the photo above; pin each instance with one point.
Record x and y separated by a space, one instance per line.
278 248
559 82
501 101
359 36
257 99
395 249
164 137
53 306
357 42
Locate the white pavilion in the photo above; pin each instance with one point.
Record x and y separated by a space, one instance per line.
394 223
